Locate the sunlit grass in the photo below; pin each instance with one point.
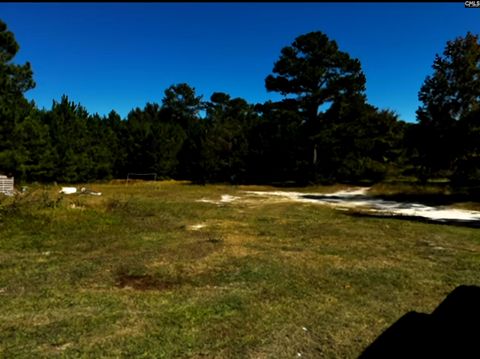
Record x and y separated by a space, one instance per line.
127 274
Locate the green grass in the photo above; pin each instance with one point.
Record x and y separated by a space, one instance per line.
124 275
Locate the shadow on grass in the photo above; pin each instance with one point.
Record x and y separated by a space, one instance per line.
404 207
435 194
433 199
450 331
450 222
428 199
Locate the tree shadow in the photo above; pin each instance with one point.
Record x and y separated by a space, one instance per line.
450 331
388 208
434 194
449 222
432 199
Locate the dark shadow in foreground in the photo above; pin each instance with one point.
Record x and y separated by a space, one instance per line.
451 331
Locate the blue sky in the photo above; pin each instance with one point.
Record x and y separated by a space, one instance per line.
121 55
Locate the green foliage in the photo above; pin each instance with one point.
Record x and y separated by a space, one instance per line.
315 71
449 114
225 142
358 142
351 140
182 106
153 141
14 81
454 88
73 140
278 150
34 153
182 103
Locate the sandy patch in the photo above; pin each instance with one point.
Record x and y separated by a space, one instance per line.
226 198
358 198
354 198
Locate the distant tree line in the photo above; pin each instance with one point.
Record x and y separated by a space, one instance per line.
323 130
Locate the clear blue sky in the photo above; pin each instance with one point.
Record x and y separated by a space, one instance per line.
121 55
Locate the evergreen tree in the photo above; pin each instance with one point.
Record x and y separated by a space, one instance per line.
278 150
225 144
449 113
359 142
153 141
69 133
117 141
315 72
33 150
15 80
182 106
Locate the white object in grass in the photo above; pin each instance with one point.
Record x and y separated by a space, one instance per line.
68 190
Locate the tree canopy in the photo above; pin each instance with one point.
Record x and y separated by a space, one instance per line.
315 71
323 130
15 80
449 114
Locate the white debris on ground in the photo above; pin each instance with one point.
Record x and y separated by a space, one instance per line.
196 227
83 190
226 198
358 198
68 190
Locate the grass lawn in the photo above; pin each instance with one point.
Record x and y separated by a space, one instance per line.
127 274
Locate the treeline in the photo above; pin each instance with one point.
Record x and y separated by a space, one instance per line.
324 130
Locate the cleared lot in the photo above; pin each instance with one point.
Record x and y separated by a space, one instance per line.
151 270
